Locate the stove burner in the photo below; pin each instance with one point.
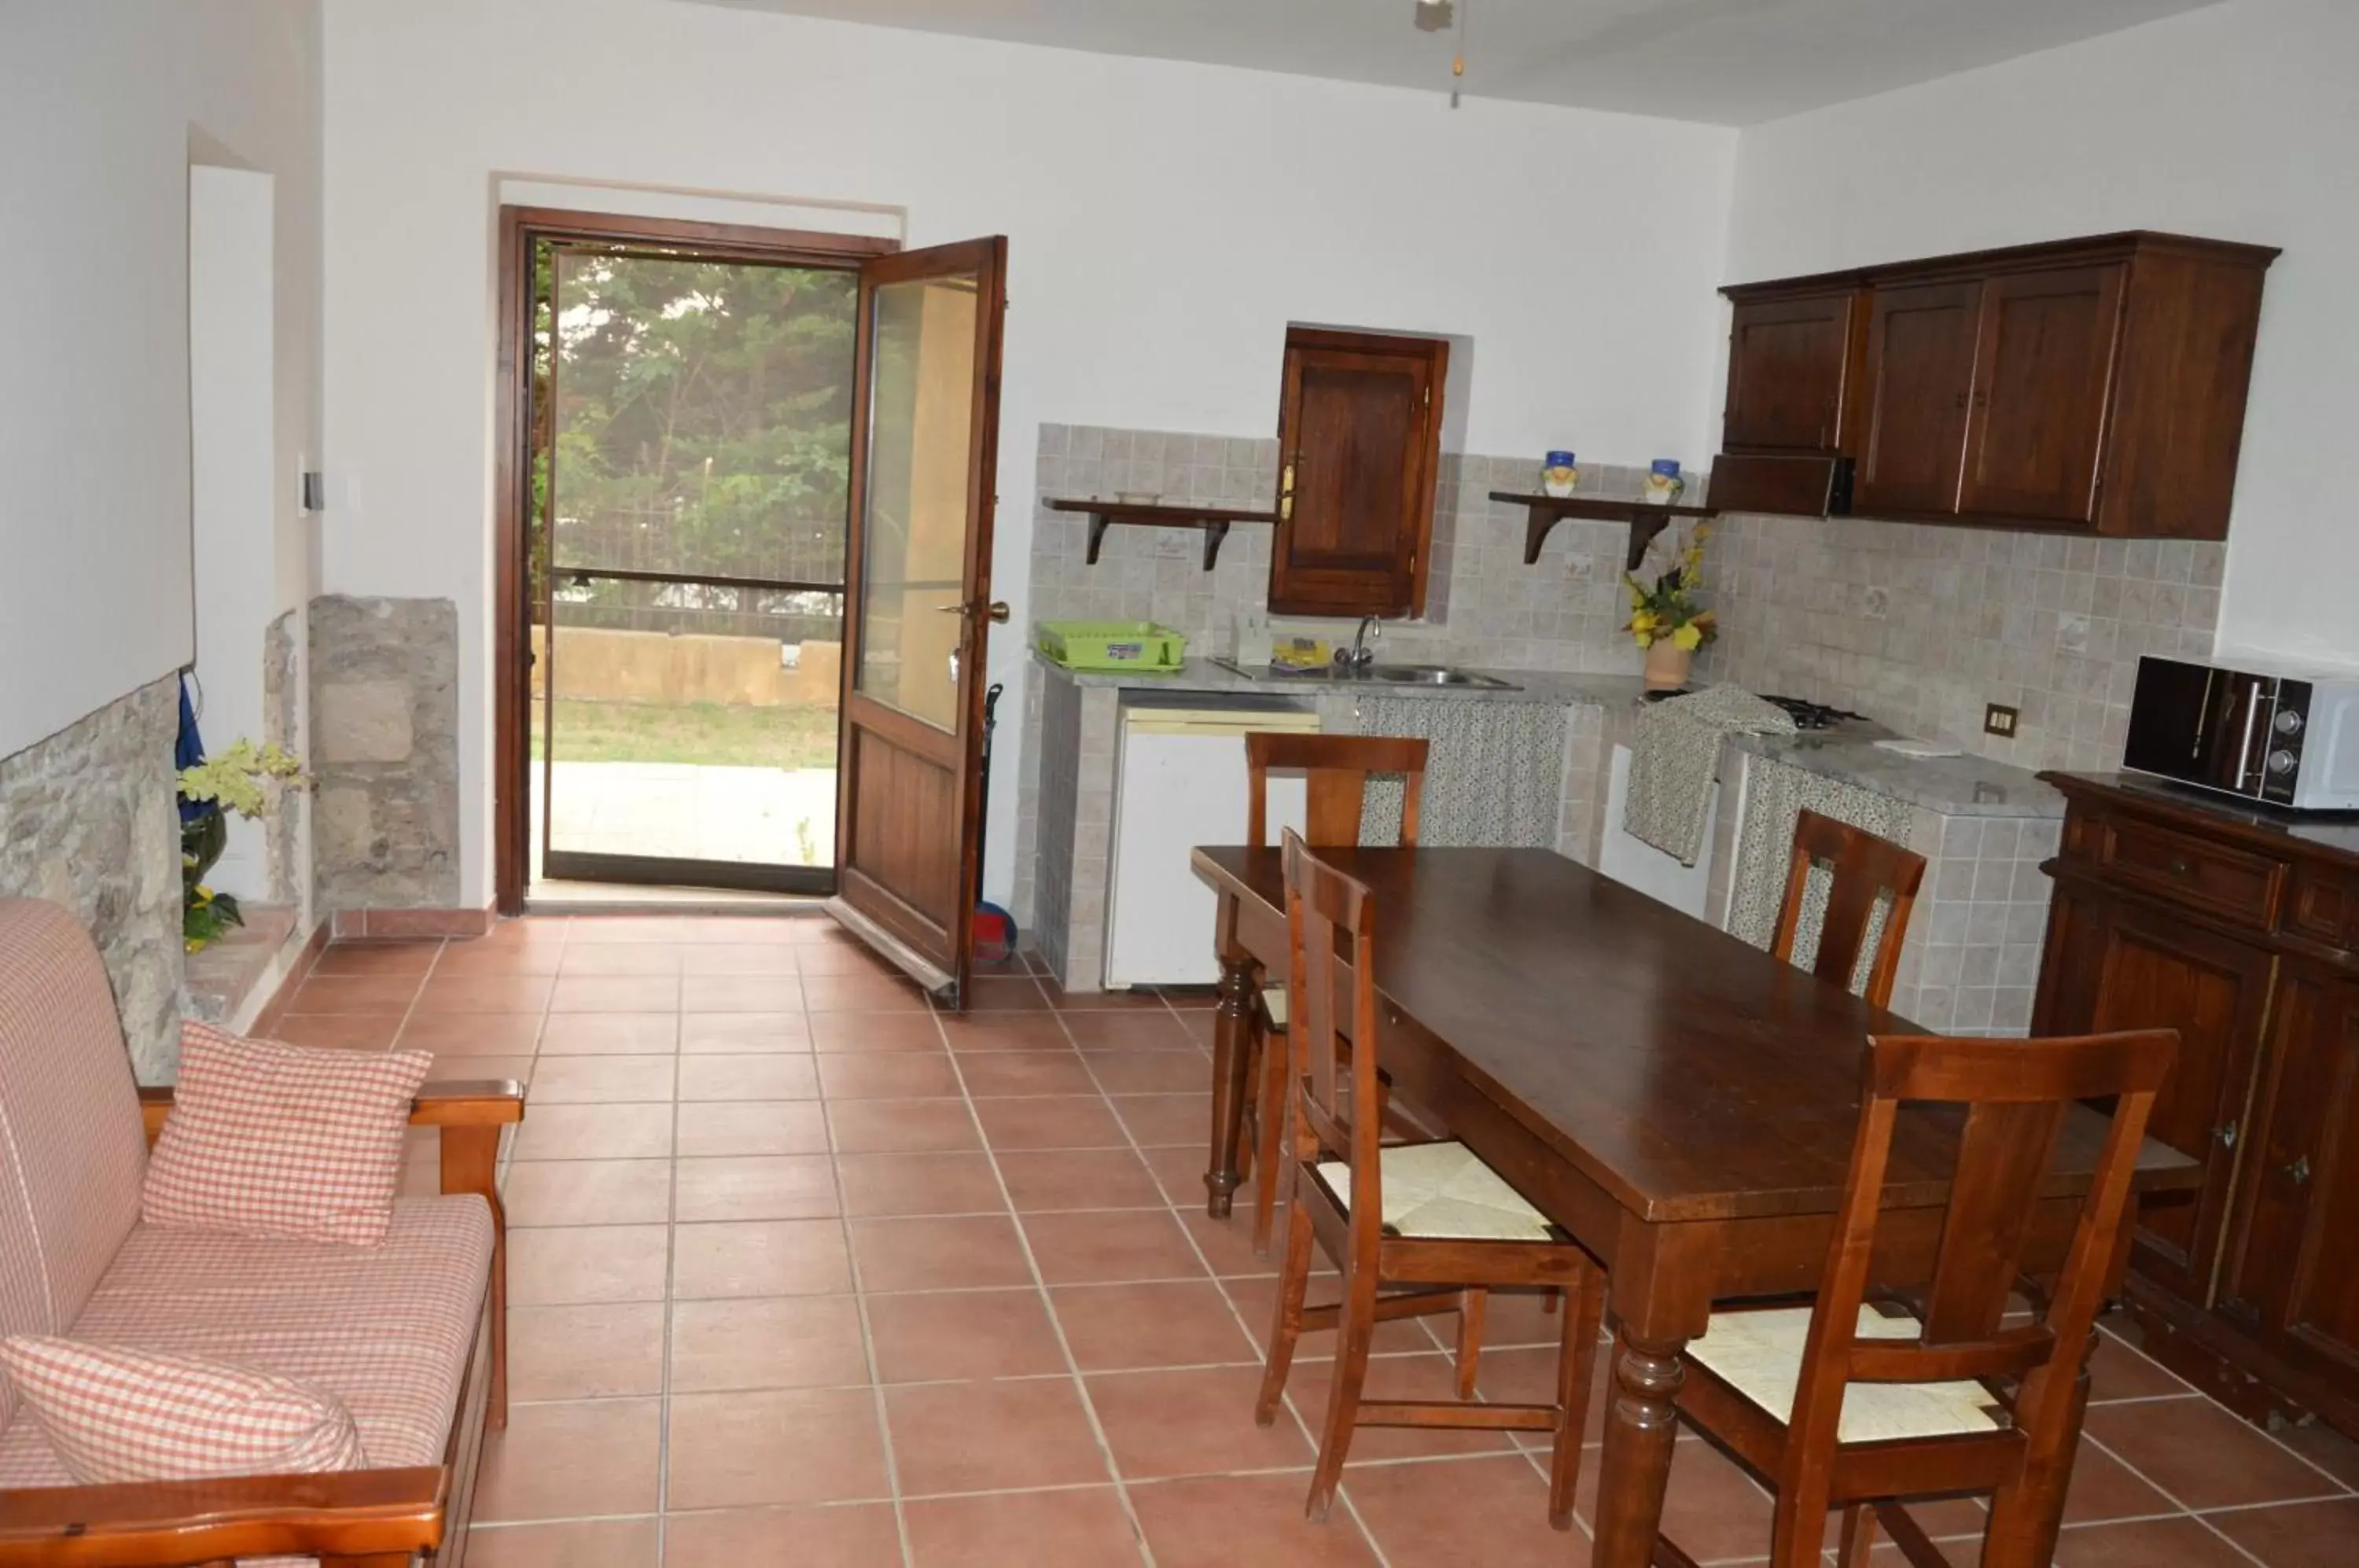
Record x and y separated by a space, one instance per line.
1809 715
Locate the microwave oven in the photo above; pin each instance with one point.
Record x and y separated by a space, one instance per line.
2284 740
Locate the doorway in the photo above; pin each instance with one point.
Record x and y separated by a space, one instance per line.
674 497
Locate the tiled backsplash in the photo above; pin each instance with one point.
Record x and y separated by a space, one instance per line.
1920 625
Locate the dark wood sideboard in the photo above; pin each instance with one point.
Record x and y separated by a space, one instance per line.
2239 928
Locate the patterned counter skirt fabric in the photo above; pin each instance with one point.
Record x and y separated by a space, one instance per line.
1494 773
1776 793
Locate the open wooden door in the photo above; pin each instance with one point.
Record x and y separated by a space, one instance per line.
925 441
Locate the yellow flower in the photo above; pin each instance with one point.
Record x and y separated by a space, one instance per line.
1688 636
1644 621
1644 639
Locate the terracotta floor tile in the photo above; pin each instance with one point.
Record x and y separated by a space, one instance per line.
628 928
592 1080
598 1543
756 1187
567 1461
1256 1302
610 1034
741 993
412 959
874 1031
839 958
2104 1489
1245 1522
722 1034
2295 1535
1426 1376
754 1126
2327 1449
2119 1372
1128 1000
783 1077
615 994
939 1254
577 1264
343 1031
1198 1421
1199 1025
1180 1171
1058 1121
1227 1244
1120 1327
738 958
1179 1119
1079 1529
771 1342
354 994
460 993
952 1183
998 1074
1109 1248
452 1069
2154 1543
472 1034
2201 1455
1042 1179
585 1353
592 1131
486 956
959 1334
902 1127
589 1193
606 958
862 993
1005 1031
981 1437
1419 1515
793 1445
1128 1031
900 1076
1150 1071
763 1258
1006 994
1713 1508
851 1535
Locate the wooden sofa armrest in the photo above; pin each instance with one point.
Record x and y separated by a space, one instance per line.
468 1102
362 1514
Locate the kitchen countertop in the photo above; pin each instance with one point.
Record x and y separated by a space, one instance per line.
1531 685
1962 785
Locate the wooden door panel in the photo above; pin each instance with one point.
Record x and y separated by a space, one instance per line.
1359 423
2295 1272
2155 972
1788 363
897 849
1921 370
2042 368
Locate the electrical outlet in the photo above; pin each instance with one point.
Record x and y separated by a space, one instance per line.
1999 719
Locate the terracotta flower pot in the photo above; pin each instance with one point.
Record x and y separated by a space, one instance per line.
1667 664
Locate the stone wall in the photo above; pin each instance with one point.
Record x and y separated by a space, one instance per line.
385 727
289 829
87 822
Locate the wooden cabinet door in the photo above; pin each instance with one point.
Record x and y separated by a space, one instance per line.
2295 1269
2153 970
2043 367
1919 378
1359 441
1788 365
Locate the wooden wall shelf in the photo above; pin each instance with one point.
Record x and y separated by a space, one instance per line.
1646 520
1213 520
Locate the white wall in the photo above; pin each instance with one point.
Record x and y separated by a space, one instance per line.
2240 122
1165 221
103 109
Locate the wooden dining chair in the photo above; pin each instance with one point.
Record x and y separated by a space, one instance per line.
1862 1403
1864 870
1336 769
1416 1228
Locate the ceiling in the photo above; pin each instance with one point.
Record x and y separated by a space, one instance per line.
1729 61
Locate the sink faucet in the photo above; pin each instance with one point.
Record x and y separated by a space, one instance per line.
1360 655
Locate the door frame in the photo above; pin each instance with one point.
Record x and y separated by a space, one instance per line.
519 229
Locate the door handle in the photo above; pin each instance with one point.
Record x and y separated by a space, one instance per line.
2298 1171
2225 1137
997 615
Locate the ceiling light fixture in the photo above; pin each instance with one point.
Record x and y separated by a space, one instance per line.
1435 16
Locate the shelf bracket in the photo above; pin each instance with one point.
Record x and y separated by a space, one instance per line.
1214 532
1645 523
1098 522
1643 529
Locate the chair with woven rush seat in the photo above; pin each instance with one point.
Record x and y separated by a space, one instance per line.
1863 1404
1864 870
1416 1228
1336 770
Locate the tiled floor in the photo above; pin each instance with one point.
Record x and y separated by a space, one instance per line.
804 1273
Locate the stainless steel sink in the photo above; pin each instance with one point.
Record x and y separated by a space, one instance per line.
1429 675
1377 674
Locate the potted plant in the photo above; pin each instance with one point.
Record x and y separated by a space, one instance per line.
1664 619
245 780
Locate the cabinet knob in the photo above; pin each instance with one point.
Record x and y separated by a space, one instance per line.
2298 1171
2226 1135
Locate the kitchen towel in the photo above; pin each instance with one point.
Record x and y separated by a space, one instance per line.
1675 756
1493 771
1776 793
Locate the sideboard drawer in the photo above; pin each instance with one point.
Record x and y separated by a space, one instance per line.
2323 906
2219 877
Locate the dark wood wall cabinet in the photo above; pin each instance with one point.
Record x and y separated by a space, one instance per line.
2240 931
1359 436
2094 386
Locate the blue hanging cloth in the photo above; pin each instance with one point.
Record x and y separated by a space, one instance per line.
187 750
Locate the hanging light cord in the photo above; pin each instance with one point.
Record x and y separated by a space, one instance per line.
1458 65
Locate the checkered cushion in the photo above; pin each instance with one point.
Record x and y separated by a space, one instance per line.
114 1413
266 1138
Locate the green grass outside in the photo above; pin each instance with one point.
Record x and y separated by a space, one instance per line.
720 735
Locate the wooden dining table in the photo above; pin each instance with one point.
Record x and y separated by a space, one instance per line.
1680 1103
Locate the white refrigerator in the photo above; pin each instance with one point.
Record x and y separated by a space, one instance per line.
1179 781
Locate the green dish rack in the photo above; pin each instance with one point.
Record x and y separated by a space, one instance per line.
1129 648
